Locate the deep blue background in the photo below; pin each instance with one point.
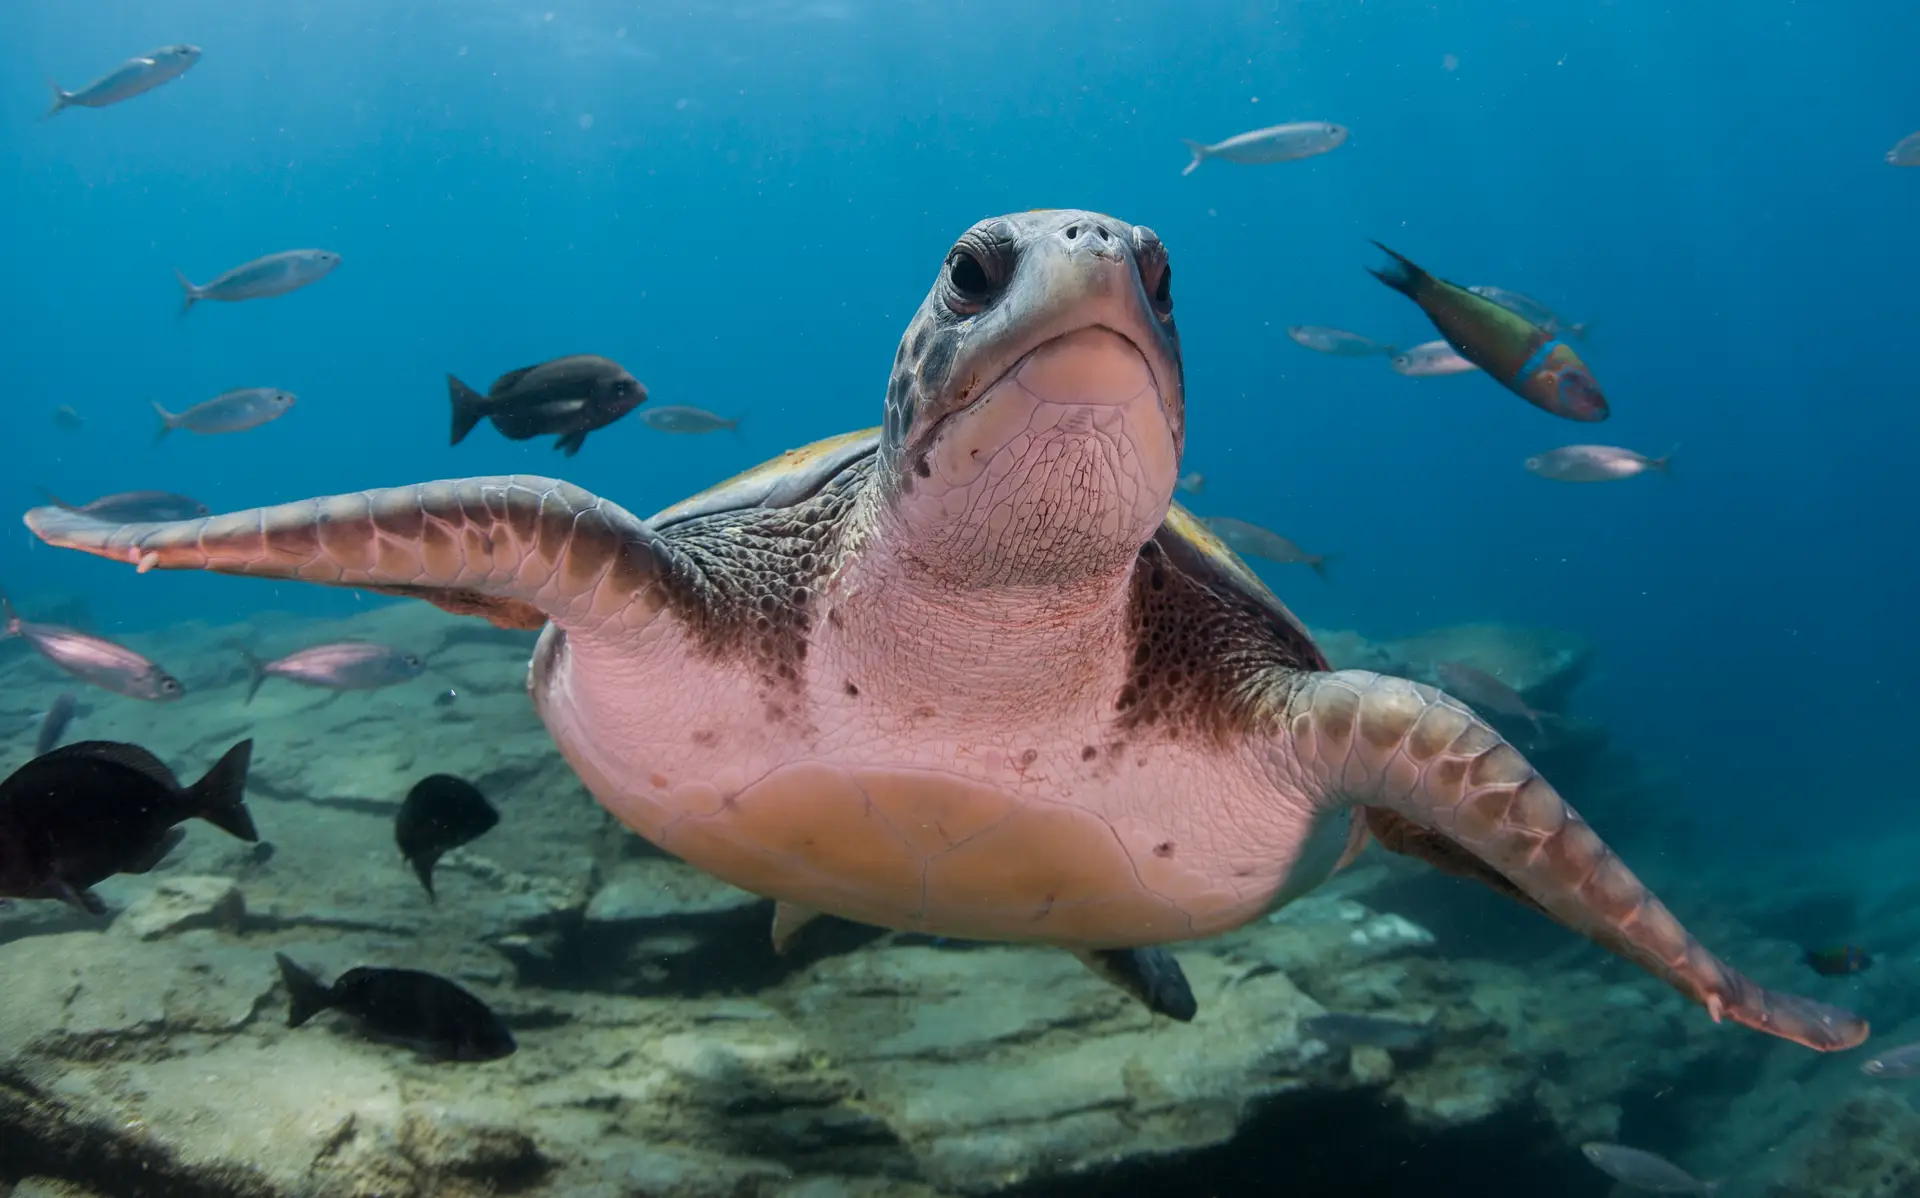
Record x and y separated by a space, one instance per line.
764 191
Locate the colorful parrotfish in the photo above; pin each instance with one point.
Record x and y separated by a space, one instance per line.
1527 359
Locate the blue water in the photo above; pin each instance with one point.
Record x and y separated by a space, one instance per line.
743 203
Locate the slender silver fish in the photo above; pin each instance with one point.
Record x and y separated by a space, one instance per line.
1905 152
1430 359
1644 1170
679 418
1254 541
1193 483
1277 143
94 659
1533 311
129 79
233 412
275 274
1594 464
1338 342
1484 691
1903 1061
135 507
338 665
54 725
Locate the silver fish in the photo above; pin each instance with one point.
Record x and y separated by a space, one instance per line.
1594 464
68 417
1194 483
1903 1061
1338 342
135 507
275 274
94 659
1644 1170
1532 311
129 79
339 665
1484 691
1905 152
233 412
679 418
1277 143
1341 1030
1254 541
54 726
1430 359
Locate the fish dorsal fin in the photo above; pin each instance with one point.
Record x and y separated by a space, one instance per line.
511 379
132 757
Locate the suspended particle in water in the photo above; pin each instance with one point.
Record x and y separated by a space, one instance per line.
620 32
586 120
1450 62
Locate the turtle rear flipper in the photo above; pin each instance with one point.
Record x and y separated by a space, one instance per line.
517 550
1477 808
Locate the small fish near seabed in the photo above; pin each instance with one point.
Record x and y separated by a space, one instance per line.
93 659
1342 1030
1533 311
262 278
421 1011
440 814
679 418
1251 540
338 666
131 78
53 726
1901 1062
135 507
1430 360
1193 483
1338 342
1594 464
1905 152
1277 143
1840 961
233 412
570 396
1645 1171
71 818
1525 359
68 418
1482 690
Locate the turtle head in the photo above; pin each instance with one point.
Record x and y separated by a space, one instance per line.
1036 413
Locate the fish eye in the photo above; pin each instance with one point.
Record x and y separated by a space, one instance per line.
411 659
170 686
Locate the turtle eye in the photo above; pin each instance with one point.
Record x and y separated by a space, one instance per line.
967 278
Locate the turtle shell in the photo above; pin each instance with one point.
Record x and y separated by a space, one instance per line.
793 477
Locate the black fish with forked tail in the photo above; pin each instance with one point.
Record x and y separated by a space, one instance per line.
1838 961
71 818
421 1011
1526 359
570 396
440 814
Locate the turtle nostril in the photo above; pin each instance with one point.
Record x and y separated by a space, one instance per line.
1100 231
1073 231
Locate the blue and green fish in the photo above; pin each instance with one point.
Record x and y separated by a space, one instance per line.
1527 359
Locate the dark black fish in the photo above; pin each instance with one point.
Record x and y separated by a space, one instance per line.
421 1011
81 814
1839 960
446 698
54 726
571 396
441 813
135 507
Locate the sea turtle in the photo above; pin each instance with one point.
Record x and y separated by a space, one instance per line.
972 673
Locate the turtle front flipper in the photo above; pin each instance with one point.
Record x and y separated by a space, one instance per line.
1387 743
517 550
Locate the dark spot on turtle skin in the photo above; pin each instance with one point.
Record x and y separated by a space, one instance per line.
921 468
853 692
937 363
1089 753
924 712
1163 849
920 341
1197 641
706 738
1029 757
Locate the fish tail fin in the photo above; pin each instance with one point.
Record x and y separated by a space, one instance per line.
1664 463
9 618
220 797
469 406
1200 154
307 995
61 101
423 868
256 670
1319 564
189 293
168 421
1401 274
733 426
